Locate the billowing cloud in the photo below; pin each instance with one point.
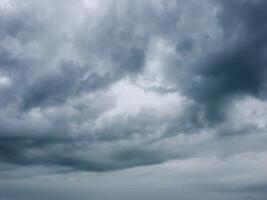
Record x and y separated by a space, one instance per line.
98 86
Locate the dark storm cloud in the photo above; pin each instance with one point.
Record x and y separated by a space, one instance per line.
30 56
237 68
133 99
34 152
63 64
100 150
67 155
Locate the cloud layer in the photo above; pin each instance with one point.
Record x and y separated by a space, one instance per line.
98 86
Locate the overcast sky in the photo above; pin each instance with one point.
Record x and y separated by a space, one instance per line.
133 99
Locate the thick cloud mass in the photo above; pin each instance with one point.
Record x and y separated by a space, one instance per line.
238 68
93 86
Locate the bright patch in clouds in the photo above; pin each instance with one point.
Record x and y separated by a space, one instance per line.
130 98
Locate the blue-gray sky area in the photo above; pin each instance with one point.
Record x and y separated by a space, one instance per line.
133 99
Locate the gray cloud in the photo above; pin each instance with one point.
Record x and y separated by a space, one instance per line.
238 68
101 86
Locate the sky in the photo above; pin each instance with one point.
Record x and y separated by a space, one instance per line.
133 99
